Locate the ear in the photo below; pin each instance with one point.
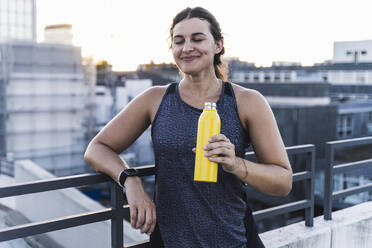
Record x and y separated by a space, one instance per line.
218 46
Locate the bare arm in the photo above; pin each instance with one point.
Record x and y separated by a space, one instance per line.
272 174
103 153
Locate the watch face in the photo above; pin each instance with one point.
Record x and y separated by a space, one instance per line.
130 172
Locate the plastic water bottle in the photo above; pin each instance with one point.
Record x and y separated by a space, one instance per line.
209 124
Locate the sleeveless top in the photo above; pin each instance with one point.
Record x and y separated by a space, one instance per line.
198 214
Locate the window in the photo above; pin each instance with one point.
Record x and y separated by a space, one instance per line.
348 52
256 78
287 77
267 78
246 77
277 78
364 52
344 126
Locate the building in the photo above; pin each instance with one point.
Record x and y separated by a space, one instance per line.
3 115
58 34
17 20
44 105
90 78
167 71
352 52
351 64
113 92
315 113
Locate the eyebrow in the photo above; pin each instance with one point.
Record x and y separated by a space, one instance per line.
193 34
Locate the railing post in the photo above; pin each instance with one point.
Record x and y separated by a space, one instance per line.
309 187
117 202
328 182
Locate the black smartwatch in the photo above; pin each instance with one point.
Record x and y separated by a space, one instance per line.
131 172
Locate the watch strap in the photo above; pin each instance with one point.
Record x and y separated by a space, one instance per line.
118 180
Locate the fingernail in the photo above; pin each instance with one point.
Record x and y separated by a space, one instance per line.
210 139
206 154
205 147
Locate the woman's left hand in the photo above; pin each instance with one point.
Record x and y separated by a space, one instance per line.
221 146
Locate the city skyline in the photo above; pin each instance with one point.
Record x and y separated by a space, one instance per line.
130 33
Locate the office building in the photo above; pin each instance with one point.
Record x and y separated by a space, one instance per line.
44 105
17 20
351 64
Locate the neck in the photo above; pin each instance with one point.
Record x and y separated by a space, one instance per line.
206 85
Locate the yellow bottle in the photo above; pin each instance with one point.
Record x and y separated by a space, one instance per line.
209 124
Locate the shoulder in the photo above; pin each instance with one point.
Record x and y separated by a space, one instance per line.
151 95
152 98
250 102
248 97
156 91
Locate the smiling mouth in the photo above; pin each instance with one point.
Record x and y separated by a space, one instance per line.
189 59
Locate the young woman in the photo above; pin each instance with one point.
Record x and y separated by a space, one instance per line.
186 213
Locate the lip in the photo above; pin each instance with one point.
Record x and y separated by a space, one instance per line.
189 58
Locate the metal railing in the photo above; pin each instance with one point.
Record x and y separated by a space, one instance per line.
307 203
308 175
331 170
116 212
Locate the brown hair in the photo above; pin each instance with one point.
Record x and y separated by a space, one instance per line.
198 12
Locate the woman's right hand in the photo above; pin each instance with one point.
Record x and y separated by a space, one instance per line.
142 208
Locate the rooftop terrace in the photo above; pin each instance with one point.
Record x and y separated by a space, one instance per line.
350 227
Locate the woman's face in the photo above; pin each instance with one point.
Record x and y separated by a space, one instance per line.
193 46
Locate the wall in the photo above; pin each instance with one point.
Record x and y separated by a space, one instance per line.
349 228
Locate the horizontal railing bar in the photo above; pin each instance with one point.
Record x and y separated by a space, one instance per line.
351 191
145 170
64 182
352 166
282 209
139 244
52 184
351 142
299 176
292 150
35 228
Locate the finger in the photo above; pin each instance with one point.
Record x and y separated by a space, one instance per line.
148 222
194 149
218 145
140 218
218 137
152 228
133 216
221 151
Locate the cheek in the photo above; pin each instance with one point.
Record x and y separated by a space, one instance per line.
176 52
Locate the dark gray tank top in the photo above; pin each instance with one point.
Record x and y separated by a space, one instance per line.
198 214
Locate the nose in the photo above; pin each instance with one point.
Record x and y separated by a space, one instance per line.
187 47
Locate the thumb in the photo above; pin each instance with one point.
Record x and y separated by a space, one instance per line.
194 149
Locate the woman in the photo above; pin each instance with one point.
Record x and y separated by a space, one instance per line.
188 213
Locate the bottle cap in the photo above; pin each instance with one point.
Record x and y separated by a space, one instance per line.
209 105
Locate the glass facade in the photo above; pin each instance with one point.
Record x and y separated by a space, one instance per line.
18 20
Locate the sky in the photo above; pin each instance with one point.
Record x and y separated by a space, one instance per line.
128 33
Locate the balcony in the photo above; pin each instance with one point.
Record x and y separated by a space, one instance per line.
350 227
